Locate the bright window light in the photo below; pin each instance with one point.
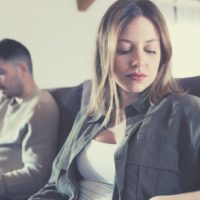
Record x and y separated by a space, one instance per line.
186 55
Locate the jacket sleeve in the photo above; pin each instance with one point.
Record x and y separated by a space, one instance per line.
51 190
194 118
38 151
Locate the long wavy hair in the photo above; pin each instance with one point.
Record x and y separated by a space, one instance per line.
104 96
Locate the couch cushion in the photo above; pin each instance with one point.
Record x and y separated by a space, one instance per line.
70 99
191 85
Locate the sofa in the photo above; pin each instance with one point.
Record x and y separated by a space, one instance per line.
69 100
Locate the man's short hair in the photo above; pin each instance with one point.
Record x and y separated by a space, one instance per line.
11 50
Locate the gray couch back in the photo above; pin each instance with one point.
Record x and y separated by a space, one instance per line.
69 100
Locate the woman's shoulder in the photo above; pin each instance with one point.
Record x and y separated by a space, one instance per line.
184 101
85 117
184 98
82 114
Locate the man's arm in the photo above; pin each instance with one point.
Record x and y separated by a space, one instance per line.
38 151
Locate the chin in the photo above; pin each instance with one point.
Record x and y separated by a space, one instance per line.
134 88
137 89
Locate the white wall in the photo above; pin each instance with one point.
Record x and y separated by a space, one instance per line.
60 38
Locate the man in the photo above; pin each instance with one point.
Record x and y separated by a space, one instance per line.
28 125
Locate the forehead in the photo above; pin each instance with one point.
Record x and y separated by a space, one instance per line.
6 65
139 29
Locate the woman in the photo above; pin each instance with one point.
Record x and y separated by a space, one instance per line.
139 137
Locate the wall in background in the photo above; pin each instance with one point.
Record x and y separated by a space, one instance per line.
62 39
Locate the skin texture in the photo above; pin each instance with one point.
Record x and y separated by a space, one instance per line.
10 79
137 58
15 79
136 65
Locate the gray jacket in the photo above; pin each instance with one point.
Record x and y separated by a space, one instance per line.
159 154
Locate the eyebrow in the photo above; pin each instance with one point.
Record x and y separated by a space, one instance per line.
152 40
148 41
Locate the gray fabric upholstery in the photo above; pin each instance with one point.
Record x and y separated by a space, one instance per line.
70 99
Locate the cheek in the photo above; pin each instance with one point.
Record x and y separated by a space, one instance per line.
118 71
120 65
2 79
154 66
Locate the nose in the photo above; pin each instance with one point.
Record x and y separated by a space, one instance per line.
137 59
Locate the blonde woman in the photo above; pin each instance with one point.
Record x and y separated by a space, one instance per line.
139 137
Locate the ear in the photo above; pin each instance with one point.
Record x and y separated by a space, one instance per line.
22 68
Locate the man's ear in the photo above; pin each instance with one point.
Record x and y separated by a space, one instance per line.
22 68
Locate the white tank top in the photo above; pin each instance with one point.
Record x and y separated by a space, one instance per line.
96 165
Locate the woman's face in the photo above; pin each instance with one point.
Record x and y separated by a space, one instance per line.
137 57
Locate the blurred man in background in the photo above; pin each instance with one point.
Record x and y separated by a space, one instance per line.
28 125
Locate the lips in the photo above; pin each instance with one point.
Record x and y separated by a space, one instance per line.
136 76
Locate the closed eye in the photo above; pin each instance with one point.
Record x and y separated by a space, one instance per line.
150 51
123 51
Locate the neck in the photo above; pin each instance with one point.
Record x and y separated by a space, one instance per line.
28 88
121 118
127 98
